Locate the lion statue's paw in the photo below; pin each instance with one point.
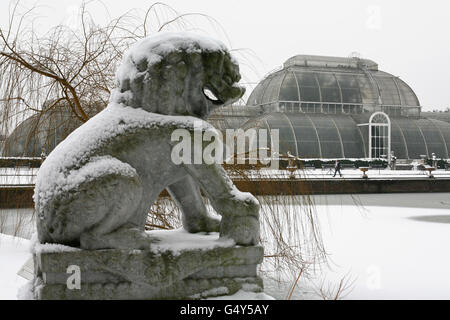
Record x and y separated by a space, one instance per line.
244 230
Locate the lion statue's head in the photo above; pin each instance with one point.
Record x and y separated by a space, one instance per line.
178 74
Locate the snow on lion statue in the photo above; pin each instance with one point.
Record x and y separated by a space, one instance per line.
96 188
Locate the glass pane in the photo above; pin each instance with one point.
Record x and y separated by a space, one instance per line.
445 131
328 135
351 96
255 97
265 85
287 140
413 137
309 90
352 140
389 92
330 95
347 81
306 79
397 143
327 80
409 97
307 143
369 92
433 138
329 87
273 89
289 89
310 94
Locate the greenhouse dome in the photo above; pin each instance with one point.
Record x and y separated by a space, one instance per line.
42 132
317 84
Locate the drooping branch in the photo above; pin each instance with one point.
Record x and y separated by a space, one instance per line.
63 82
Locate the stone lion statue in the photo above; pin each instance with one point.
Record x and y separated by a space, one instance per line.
96 188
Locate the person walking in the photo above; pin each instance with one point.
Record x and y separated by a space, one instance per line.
393 161
434 160
337 168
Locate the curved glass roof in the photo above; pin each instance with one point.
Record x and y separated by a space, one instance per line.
442 116
313 135
338 136
329 80
412 138
40 132
232 117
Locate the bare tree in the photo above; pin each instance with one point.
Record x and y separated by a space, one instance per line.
332 290
71 69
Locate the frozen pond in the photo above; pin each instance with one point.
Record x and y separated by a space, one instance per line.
393 245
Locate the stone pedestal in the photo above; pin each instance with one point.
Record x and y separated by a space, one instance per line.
179 266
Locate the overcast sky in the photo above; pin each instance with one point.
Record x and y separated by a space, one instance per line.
409 39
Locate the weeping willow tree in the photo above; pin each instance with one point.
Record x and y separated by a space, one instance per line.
62 77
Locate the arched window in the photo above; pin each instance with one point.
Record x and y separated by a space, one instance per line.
379 135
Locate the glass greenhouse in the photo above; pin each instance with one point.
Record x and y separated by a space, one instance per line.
330 107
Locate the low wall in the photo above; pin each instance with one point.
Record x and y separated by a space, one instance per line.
22 197
341 186
16 197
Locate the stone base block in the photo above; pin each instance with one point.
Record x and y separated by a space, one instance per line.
214 268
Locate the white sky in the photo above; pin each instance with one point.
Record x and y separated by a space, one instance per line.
409 39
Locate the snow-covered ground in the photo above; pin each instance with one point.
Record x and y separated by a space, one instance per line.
14 252
346 174
394 246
